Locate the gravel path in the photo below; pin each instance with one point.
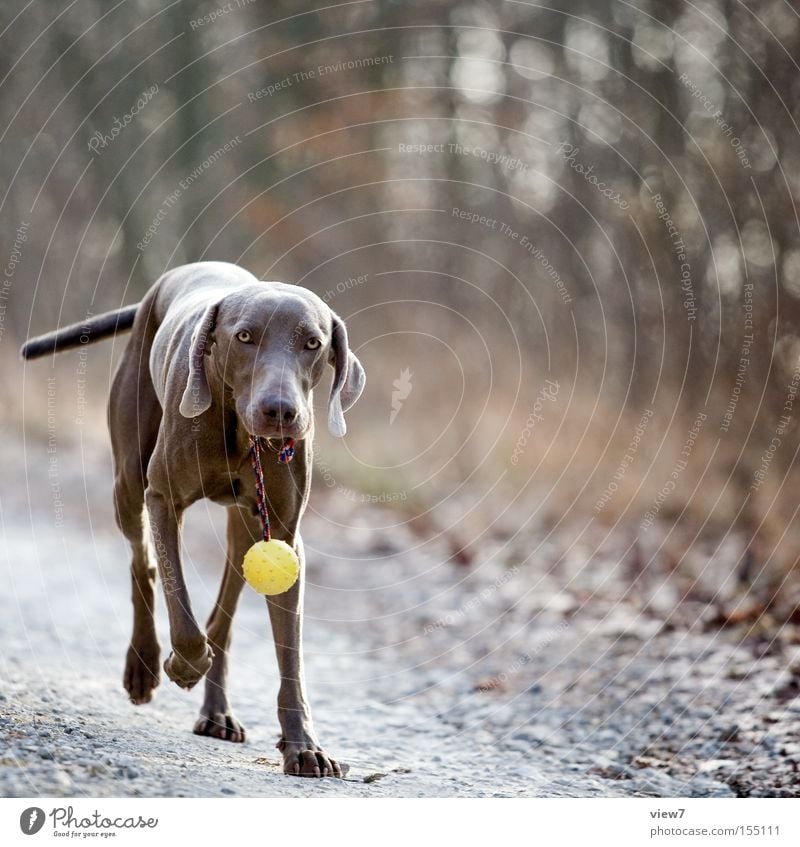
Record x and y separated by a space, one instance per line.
550 676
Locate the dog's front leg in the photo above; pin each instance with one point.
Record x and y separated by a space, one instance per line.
302 753
191 655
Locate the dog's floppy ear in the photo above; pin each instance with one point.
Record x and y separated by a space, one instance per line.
348 379
197 396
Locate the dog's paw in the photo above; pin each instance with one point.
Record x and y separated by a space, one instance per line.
221 725
187 668
309 759
142 672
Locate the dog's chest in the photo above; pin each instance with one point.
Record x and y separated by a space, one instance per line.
229 481
233 491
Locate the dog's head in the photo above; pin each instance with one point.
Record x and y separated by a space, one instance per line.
269 345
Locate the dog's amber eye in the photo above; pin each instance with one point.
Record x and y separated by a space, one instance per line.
245 336
313 344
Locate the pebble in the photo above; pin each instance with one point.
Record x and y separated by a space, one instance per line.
128 772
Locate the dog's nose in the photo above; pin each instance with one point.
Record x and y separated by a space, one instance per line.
280 411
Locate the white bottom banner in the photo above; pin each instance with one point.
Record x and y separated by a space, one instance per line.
617 822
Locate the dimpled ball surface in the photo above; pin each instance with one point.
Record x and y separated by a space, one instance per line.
271 567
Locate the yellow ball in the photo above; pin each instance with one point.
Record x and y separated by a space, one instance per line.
271 567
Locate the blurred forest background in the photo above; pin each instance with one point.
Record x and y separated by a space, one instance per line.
564 237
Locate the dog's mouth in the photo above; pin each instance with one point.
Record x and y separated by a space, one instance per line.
281 433
278 432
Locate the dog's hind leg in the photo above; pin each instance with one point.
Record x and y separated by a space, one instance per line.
216 717
134 417
142 666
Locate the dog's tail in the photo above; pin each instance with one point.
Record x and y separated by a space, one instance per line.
92 329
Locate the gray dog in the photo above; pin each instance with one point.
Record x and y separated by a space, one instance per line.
217 356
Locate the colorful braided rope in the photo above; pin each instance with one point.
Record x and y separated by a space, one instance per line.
285 456
287 451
